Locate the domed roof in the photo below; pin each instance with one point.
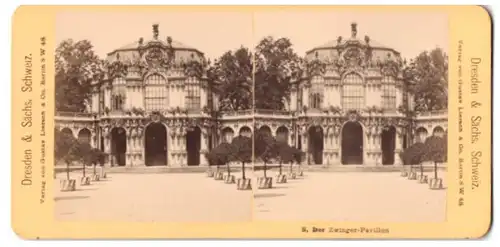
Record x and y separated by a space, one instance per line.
332 47
136 49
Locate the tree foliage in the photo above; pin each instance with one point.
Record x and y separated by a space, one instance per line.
77 66
231 78
66 147
220 155
264 146
277 67
241 148
435 149
426 77
414 154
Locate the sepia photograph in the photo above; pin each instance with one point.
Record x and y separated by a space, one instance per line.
251 122
351 116
147 106
275 115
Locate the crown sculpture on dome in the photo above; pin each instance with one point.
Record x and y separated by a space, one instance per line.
155 31
354 30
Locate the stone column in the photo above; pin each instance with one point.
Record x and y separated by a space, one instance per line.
107 96
203 147
326 148
171 147
107 145
398 147
95 99
203 96
305 147
129 149
140 146
293 99
305 97
182 147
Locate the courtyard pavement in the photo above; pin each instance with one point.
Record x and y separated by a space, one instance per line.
193 197
163 197
351 196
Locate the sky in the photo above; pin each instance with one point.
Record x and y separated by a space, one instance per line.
214 32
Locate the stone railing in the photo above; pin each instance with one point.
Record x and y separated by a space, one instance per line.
74 114
437 113
272 112
237 113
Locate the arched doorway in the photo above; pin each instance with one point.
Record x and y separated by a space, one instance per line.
282 134
156 145
421 134
245 131
388 143
227 135
67 131
352 144
264 129
193 146
438 131
118 146
316 144
84 136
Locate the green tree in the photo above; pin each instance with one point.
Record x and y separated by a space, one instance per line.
232 79
277 67
414 155
241 149
220 155
284 154
94 157
85 155
76 67
66 149
435 151
264 148
426 77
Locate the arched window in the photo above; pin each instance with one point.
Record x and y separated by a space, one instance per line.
388 93
118 94
316 93
192 93
156 94
353 92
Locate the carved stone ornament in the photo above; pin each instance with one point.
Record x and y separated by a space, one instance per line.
117 122
354 57
353 116
155 117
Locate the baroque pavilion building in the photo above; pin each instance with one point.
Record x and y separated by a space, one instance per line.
155 108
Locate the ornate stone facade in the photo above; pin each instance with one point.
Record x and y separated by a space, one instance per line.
154 107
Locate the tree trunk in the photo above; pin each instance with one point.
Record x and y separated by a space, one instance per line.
243 170
217 169
228 169
83 164
281 163
435 170
291 164
67 170
421 170
95 172
265 169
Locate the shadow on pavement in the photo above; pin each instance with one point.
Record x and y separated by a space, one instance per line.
69 198
267 195
84 189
